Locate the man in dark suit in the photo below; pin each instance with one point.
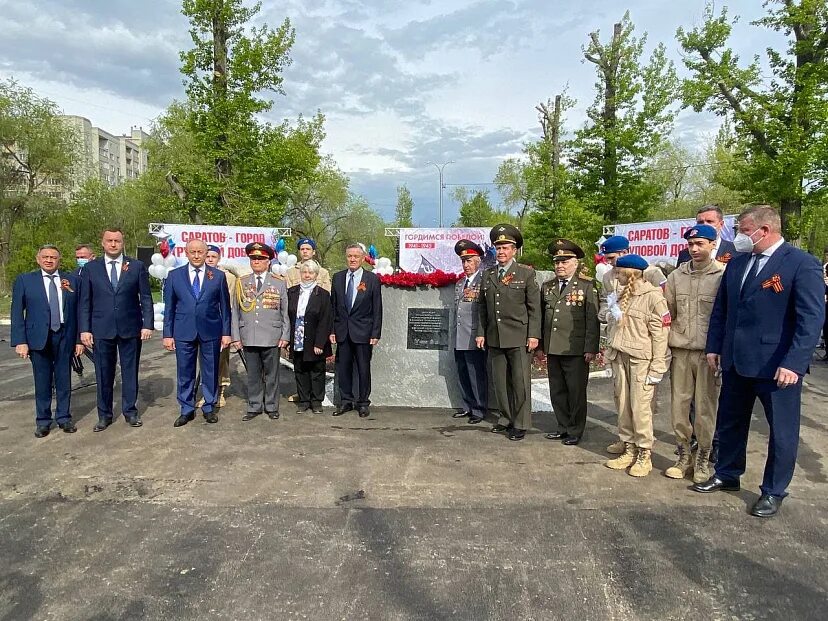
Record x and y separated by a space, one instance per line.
510 326
714 216
763 330
83 255
196 325
357 305
115 317
44 329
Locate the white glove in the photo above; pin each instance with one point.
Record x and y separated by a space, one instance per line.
616 311
652 381
612 298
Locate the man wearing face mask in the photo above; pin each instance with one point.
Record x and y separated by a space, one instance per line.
83 255
765 325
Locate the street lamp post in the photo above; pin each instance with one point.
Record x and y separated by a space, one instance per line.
440 168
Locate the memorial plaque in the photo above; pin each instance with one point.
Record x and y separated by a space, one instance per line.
428 328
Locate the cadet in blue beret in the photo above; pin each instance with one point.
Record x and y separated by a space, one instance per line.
696 284
637 349
306 247
612 249
213 258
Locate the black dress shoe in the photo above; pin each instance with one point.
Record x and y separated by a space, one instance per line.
570 440
461 414
101 425
344 407
42 432
183 420
473 420
134 421
714 453
500 428
363 412
211 418
517 434
715 484
767 506
68 427
250 416
316 409
557 435
273 415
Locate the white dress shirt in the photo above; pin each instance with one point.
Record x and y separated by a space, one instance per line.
46 282
201 275
762 258
357 279
119 265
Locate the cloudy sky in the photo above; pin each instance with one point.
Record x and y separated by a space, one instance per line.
401 83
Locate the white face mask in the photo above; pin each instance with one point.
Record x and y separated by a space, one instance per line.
745 243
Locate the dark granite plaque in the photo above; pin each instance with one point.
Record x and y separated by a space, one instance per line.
428 328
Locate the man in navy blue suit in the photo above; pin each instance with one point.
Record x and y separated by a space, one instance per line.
714 216
763 331
357 304
115 317
196 325
44 329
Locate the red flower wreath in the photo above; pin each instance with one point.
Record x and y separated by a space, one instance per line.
411 280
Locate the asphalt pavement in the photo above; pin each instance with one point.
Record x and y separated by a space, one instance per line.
408 514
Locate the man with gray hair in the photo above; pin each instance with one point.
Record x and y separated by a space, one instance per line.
357 306
763 331
44 330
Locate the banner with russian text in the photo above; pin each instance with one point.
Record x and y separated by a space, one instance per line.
231 239
422 251
662 241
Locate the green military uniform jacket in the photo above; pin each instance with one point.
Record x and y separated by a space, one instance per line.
570 317
510 309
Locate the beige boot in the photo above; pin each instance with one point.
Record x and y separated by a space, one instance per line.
221 401
616 448
200 403
643 464
624 459
683 464
702 467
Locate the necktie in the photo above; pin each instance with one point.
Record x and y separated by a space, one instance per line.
501 273
54 305
563 285
468 283
113 274
752 274
258 283
196 283
349 290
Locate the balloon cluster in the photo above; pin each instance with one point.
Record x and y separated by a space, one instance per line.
161 265
158 316
285 261
383 267
601 269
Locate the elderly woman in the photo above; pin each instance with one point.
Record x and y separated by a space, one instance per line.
311 323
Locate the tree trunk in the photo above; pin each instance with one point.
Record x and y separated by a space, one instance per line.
220 36
556 149
791 211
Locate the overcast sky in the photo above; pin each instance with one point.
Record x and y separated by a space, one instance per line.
435 80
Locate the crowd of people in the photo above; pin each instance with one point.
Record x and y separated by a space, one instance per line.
736 321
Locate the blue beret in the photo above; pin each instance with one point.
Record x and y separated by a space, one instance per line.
306 240
701 231
633 261
213 248
614 244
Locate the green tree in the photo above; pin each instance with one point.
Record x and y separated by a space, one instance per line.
779 119
404 211
630 119
35 146
476 209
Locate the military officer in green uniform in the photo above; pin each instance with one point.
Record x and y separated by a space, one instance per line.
510 326
570 339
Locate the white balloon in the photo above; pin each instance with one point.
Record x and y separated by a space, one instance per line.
159 325
274 268
158 307
291 260
601 269
157 259
159 317
170 260
283 257
384 262
153 270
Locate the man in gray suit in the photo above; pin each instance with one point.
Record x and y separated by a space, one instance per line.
470 360
261 326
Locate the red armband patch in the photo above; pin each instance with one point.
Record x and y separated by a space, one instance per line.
666 320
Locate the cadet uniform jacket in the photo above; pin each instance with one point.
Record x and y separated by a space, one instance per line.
509 309
570 317
690 295
609 284
466 313
643 332
260 317
294 277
